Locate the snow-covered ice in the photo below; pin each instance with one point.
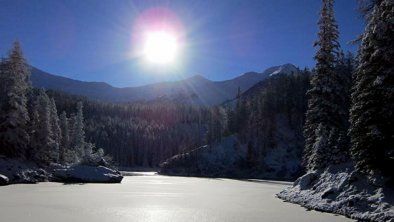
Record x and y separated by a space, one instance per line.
154 199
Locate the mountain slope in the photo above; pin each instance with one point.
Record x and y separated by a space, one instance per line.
266 134
194 90
93 90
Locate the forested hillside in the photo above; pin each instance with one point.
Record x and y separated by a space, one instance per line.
140 134
265 126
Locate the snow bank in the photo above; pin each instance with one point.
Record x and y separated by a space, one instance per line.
18 171
344 191
87 174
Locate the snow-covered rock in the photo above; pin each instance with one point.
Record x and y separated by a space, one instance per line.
3 180
305 181
344 191
87 174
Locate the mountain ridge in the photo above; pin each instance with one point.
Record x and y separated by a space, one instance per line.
194 90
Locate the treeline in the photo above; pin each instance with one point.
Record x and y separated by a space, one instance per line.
140 134
365 134
30 126
259 134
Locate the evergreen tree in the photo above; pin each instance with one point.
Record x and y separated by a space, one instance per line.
372 111
42 135
326 111
14 118
56 131
65 138
78 132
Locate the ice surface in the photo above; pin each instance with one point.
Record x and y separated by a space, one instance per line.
154 199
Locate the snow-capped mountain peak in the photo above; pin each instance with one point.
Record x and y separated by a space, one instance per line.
284 69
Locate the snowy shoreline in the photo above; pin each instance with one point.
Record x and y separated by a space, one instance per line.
343 191
14 171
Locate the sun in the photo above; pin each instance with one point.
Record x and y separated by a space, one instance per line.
160 47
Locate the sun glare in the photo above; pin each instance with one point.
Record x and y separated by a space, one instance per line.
160 47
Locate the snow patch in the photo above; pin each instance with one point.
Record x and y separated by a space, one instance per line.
283 69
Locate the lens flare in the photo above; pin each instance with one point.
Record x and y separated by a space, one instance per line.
160 47
158 38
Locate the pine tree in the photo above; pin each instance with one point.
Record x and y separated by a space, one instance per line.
42 136
56 131
372 111
14 118
65 138
79 133
326 111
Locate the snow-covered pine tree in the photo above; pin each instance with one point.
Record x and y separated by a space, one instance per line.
42 136
14 118
79 132
372 111
326 111
65 138
56 131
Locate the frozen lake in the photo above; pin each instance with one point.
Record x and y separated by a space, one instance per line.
153 198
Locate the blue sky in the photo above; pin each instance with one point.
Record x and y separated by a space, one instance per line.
91 40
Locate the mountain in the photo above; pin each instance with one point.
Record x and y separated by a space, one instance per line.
194 90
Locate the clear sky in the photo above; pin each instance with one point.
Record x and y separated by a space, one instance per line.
95 40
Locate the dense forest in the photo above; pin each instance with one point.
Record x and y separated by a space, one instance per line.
266 111
140 134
